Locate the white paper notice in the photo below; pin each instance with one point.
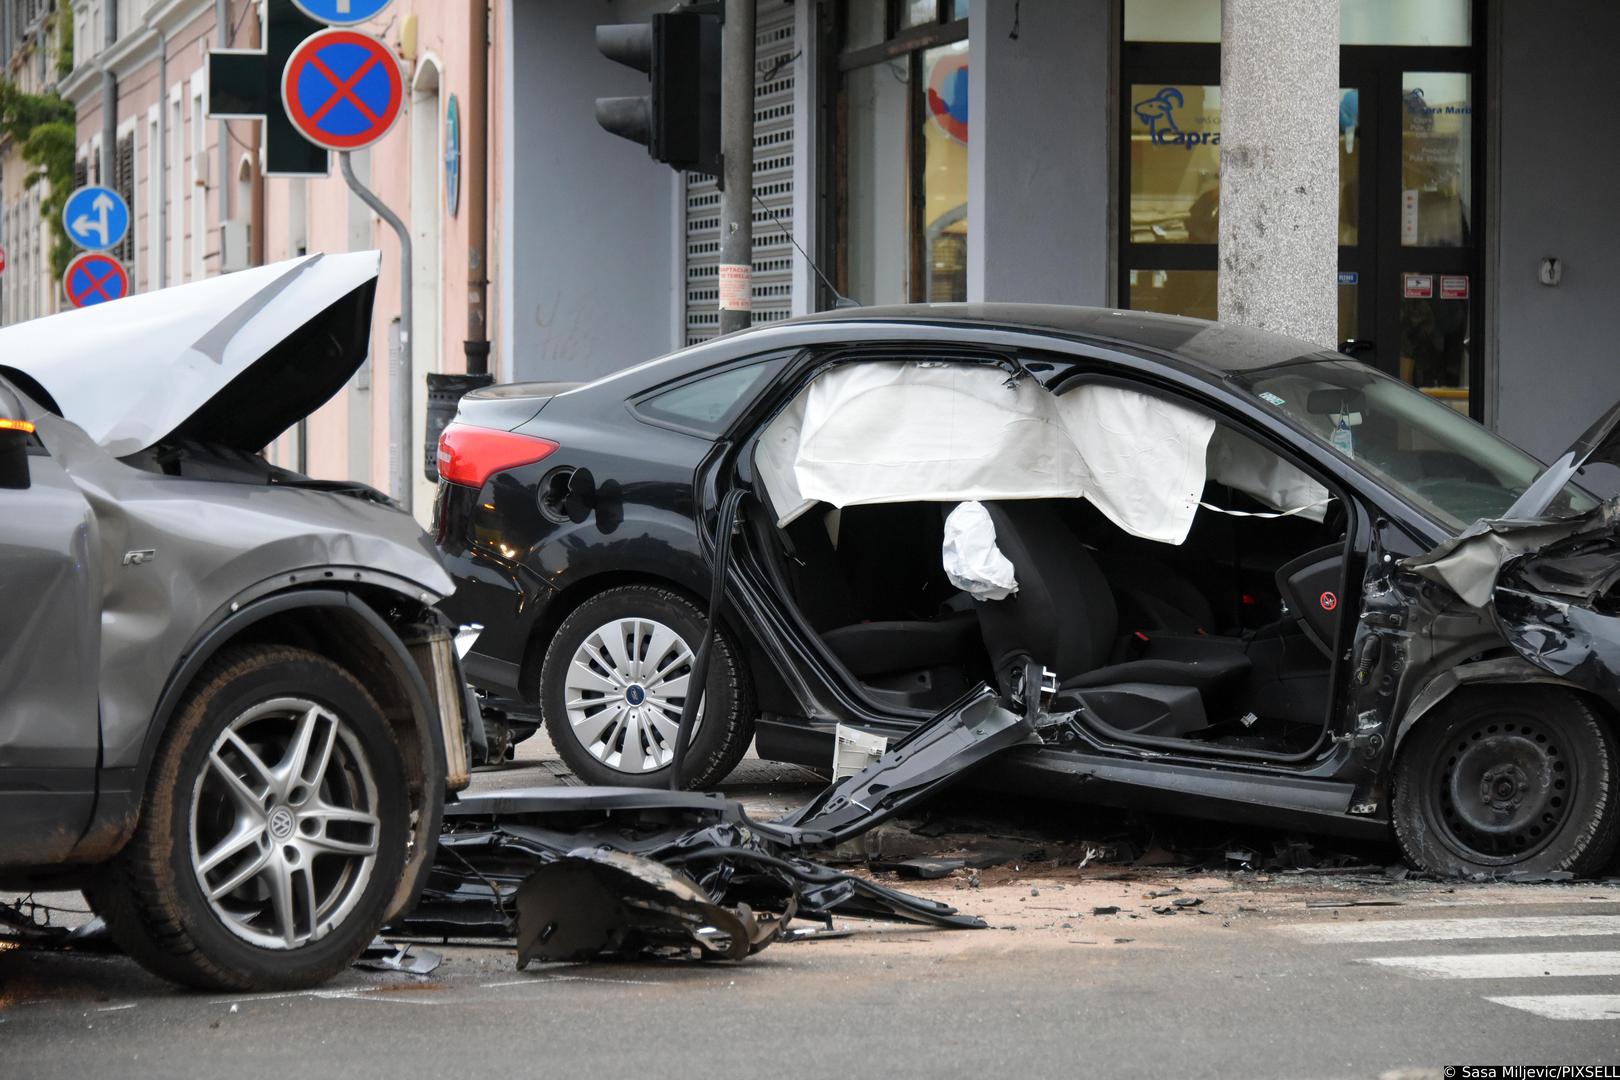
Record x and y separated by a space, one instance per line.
736 287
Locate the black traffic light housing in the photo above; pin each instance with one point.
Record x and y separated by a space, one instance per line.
679 120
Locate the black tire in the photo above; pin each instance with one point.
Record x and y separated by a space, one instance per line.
1510 779
150 896
727 725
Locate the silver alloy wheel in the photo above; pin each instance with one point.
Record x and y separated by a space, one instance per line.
284 829
624 690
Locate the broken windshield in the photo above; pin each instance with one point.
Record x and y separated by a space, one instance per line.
1434 457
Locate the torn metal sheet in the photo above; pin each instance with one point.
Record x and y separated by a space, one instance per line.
582 873
380 955
1470 564
596 903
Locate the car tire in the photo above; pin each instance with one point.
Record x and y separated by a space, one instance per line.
1516 779
335 829
628 740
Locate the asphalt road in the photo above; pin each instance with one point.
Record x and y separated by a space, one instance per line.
1257 979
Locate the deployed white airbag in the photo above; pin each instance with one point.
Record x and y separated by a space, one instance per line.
950 432
973 562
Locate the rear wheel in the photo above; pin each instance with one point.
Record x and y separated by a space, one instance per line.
616 677
1519 779
273 832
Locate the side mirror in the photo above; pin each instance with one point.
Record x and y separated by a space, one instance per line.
15 435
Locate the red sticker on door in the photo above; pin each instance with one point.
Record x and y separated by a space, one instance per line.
1418 286
1453 286
1329 601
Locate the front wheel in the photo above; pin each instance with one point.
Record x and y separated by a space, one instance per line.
1517 779
614 682
273 832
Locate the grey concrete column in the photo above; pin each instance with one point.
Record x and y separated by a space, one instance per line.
1279 232
1040 192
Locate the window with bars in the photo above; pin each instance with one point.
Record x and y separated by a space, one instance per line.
124 184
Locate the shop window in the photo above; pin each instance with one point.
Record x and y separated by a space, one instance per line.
902 134
1361 22
1175 164
1436 155
1174 292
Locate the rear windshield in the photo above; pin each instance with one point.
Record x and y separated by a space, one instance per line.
1435 458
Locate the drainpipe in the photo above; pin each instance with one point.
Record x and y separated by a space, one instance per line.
222 28
109 100
476 346
162 179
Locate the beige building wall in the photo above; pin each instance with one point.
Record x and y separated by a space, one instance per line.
349 437
28 287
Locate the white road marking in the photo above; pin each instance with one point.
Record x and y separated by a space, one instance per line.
118 1008
1566 1006
1532 926
1504 965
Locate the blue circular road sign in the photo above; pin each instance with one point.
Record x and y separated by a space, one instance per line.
342 89
95 278
342 12
96 218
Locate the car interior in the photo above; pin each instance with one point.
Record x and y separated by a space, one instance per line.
1226 639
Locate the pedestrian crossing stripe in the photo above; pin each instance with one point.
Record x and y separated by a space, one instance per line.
1504 965
1565 1006
1532 926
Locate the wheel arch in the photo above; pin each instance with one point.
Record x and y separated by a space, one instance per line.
1501 671
345 626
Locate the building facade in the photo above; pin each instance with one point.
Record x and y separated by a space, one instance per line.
35 51
1454 160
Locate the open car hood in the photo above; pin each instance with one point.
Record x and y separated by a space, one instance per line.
232 361
1598 445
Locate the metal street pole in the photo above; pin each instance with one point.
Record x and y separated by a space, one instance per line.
737 169
399 378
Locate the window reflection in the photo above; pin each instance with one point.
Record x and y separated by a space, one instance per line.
1436 158
1175 163
1174 292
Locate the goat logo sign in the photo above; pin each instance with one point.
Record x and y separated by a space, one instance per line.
96 218
342 12
95 278
1158 115
342 89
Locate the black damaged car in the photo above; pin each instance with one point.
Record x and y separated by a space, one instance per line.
1224 572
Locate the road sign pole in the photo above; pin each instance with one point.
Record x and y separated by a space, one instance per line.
399 380
737 170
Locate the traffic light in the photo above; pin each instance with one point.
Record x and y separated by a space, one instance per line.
679 121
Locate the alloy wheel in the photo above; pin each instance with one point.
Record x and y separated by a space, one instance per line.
284 824
624 690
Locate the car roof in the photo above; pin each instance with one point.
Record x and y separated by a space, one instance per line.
1214 346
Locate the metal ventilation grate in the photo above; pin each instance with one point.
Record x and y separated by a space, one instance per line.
776 67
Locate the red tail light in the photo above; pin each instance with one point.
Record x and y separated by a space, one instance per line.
470 455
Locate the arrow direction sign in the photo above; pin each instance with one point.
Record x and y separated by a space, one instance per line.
96 218
245 84
342 12
95 278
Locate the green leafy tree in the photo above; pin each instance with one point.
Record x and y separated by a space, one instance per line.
42 126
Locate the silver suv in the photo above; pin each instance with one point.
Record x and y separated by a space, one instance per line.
229 711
